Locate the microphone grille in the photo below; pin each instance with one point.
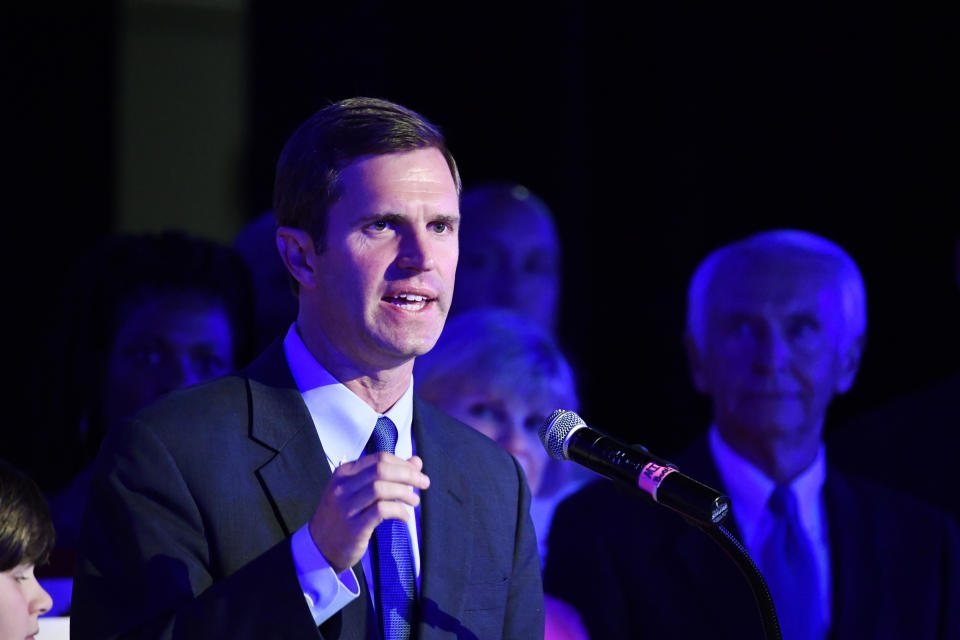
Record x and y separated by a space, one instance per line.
555 429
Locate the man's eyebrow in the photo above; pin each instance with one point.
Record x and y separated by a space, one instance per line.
397 218
383 217
446 218
805 314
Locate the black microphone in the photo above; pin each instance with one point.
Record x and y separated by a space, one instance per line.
565 436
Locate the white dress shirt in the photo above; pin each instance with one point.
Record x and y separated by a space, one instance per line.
749 489
344 425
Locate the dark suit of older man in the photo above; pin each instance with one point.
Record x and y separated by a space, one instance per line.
635 570
776 328
187 532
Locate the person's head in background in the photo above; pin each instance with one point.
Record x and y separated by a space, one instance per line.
503 375
26 539
275 302
776 325
154 313
509 253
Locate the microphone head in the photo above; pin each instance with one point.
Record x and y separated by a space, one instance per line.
555 430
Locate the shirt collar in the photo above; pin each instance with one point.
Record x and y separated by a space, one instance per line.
343 421
749 488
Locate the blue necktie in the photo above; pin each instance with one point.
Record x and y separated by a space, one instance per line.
391 557
790 569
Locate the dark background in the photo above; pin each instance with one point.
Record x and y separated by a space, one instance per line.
655 135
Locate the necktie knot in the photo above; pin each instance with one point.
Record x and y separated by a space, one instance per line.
384 436
782 503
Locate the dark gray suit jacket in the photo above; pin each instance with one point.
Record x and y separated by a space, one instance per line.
634 569
193 502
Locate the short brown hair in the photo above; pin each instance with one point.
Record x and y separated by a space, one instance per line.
26 531
308 170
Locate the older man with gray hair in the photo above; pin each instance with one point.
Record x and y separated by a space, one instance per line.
776 327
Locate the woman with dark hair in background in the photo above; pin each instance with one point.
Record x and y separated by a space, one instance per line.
145 315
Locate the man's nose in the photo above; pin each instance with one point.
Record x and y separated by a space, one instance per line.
416 251
773 352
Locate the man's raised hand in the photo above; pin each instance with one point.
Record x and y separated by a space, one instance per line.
359 496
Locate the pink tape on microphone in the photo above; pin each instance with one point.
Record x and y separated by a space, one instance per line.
651 476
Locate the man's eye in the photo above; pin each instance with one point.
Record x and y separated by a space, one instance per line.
379 225
804 329
439 227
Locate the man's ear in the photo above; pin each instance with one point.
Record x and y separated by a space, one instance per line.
849 364
695 361
297 252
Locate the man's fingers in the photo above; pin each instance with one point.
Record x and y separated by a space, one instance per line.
364 462
390 491
381 466
380 463
369 518
361 495
418 463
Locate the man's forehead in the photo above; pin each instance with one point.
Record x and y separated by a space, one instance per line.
381 184
766 281
423 165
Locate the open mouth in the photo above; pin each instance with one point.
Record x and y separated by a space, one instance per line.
408 301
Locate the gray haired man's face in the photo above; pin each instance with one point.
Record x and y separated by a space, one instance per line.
771 361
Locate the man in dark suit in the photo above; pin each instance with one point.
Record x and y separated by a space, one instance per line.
246 508
776 325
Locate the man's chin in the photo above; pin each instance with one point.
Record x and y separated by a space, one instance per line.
402 351
784 412
785 432
410 338
777 419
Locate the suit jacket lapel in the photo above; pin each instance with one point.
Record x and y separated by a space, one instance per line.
445 532
848 531
295 477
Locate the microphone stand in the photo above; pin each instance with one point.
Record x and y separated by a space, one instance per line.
758 586
698 504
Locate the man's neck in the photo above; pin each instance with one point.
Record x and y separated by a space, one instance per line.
380 392
379 388
781 459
